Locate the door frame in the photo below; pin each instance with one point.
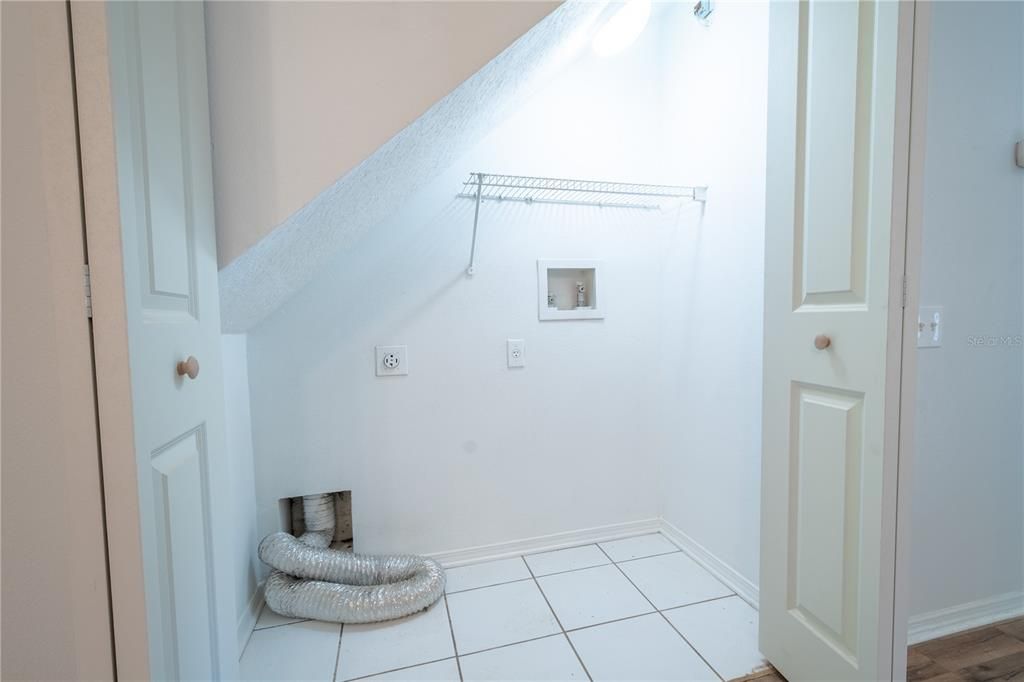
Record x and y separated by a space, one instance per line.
914 220
907 216
110 329
102 212
57 622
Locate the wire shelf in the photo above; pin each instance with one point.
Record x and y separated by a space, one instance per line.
528 189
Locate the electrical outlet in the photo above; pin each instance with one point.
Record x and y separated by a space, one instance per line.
516 349
392 361
929 326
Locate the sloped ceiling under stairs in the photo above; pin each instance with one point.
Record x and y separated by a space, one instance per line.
279 264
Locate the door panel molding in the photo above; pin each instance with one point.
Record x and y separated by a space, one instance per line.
833 174
158 202
826 447
179 470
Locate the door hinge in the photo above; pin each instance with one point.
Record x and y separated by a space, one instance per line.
904 291
87 285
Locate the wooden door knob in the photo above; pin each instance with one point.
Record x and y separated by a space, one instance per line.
821 342
189 367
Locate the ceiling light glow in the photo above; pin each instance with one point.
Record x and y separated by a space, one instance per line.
622 28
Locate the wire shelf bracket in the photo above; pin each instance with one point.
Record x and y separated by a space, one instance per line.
482 187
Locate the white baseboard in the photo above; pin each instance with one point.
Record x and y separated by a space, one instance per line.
247 619
962 617
729 576
543 543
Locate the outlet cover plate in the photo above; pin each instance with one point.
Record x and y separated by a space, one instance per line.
392 361
516 351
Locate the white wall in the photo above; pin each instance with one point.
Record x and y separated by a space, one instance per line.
301 92
710 473
238 432
465 452
967 513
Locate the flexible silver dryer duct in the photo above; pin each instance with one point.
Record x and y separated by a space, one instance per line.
313 581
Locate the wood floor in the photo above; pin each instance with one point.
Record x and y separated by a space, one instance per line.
994 652
769 674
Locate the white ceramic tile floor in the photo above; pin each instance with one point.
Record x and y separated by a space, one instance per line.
672 580
486 574
592 595
644 648
499 615
550 658
300 651
367 649
638 547
570 559
724 631
438 671
501 621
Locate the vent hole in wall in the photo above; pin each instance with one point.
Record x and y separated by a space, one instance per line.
342 518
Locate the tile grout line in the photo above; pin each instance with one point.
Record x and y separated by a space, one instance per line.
646 613
556 634
484 587
505 646
649 556
252 631
558 620
665 618
451 631
523 580
702 601
586 544
404 667
477 562
284 625
545 575
510 557
337 655
609 622
623 573
568 570
699 654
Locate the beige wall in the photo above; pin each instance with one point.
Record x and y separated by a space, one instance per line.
301 92
55 622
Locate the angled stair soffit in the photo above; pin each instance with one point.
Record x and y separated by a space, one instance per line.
278 266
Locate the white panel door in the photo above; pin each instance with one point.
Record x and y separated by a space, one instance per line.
162 139
825 610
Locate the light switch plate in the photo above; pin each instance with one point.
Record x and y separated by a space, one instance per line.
392 361
516 349
930 324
